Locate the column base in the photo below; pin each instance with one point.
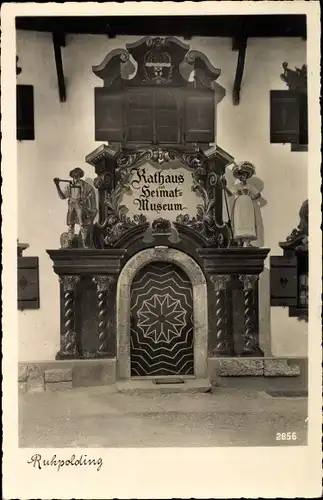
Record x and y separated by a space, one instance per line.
226 353
102 354
62 355
95 355
256 352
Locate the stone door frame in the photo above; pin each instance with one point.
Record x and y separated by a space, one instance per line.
200 305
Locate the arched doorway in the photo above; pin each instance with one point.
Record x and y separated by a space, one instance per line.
190 273
161 324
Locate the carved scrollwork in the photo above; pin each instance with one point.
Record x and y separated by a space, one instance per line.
212 179
199 175
105 179
160 156
299 235
295 79
115 65
204 221
116 221
193 160
161 225
128 159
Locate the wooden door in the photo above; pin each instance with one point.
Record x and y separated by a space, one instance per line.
161 322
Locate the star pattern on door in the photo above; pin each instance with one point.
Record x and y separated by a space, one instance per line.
161 317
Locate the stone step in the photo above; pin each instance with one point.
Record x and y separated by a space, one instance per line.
58 375
134 386
58 379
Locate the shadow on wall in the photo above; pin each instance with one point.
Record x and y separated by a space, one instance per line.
91 182
258 205
264 312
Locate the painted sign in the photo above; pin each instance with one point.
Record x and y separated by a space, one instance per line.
161 192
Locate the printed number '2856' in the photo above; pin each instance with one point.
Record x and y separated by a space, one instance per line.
286 436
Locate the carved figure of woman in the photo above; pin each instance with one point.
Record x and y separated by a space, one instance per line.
243 211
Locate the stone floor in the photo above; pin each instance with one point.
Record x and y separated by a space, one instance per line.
101 417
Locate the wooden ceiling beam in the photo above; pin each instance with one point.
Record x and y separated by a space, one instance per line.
208 26
58 42
241 45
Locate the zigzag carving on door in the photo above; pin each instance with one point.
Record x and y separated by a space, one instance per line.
161 322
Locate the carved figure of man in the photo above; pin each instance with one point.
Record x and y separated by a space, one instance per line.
82 207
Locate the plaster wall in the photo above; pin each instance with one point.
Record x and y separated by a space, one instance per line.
65 135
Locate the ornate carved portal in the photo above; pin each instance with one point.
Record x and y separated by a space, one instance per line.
160 200
198 310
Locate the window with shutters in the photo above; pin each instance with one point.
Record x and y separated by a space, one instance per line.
289 283
25 113
139 116
283 281
199 117
303 118
284 116
168 116
151 115
109 115
28 283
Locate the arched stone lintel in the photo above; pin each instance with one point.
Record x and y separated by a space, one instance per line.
200 314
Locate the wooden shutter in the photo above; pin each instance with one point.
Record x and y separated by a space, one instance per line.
283 281
109 116
167 116
25 113
199 117
303 117
139 116
284 116
28 283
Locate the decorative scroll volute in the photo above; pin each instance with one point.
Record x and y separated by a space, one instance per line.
160 61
